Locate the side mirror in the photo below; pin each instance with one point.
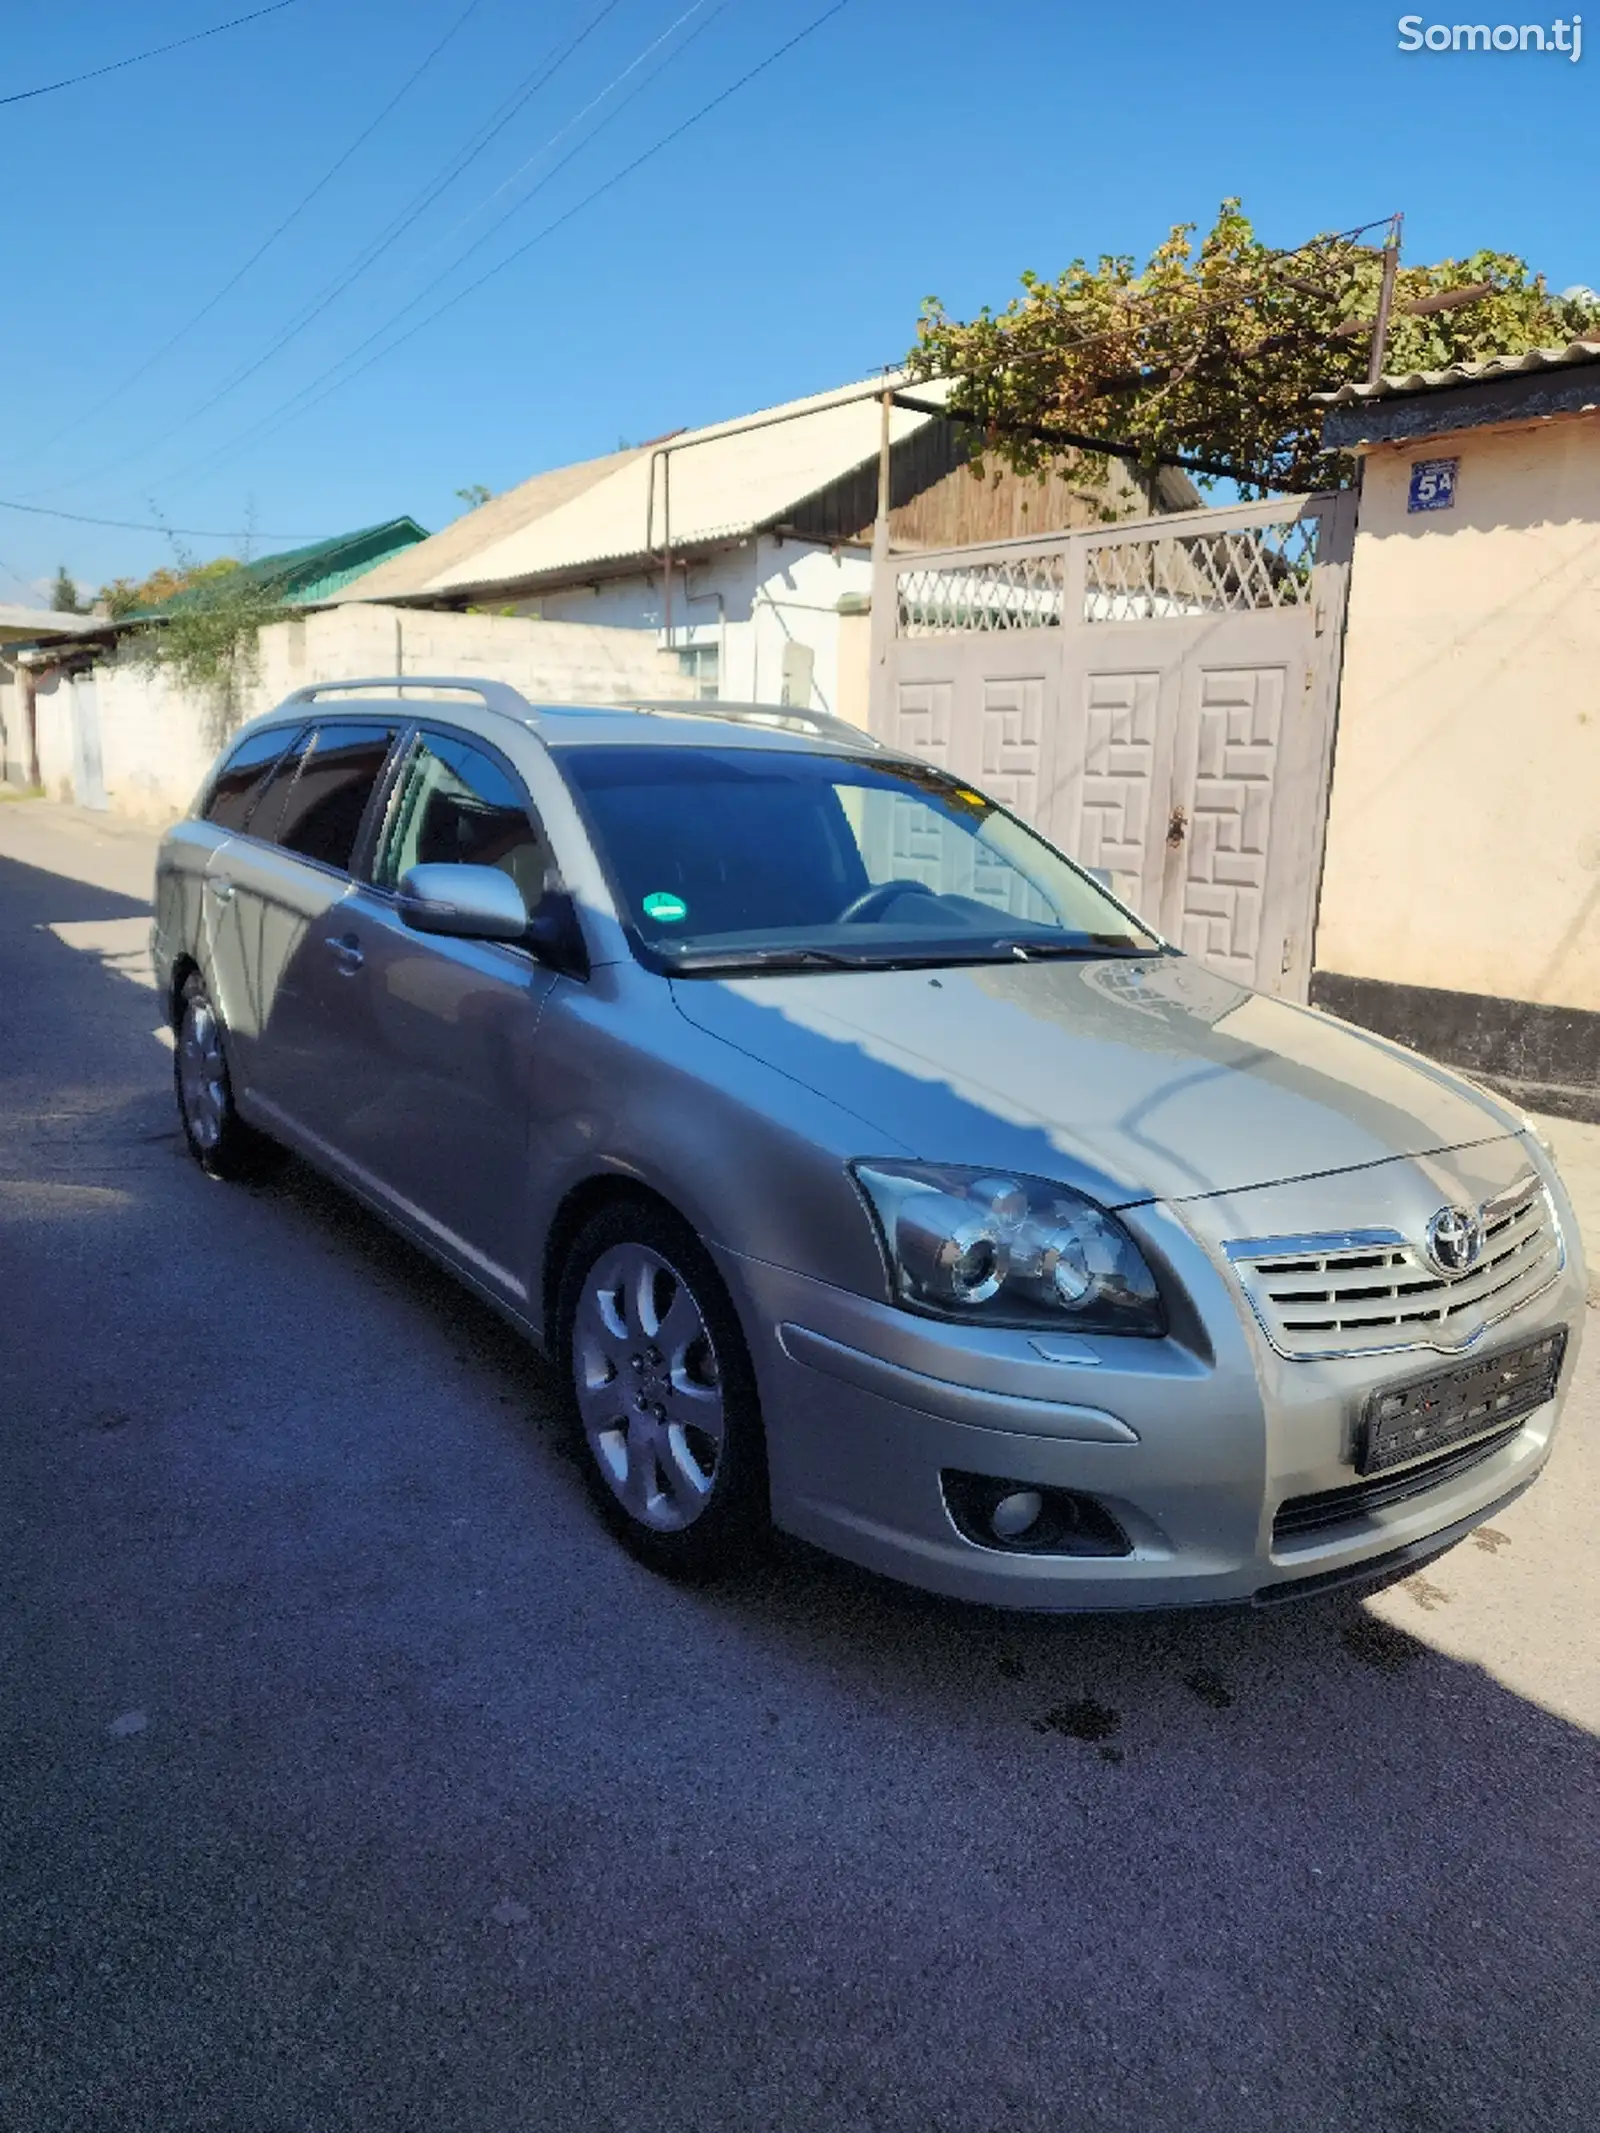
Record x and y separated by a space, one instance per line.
556 937
468 903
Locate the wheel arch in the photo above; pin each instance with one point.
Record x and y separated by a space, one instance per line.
184 967
581 1202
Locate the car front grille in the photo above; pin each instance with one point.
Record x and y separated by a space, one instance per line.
1299 1517
1369 1292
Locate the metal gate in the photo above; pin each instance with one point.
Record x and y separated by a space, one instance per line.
1158 698
88 774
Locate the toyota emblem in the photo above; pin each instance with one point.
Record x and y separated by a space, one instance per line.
1455 1239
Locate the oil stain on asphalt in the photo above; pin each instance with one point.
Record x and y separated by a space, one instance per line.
1084 1720
1209 1687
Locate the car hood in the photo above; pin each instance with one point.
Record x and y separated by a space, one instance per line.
1154 1079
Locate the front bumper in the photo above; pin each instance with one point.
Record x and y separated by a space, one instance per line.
1191 1443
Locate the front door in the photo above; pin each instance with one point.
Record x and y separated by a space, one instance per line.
429 1091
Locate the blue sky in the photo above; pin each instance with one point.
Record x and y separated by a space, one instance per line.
781 245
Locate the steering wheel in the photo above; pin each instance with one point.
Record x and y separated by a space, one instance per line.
872 903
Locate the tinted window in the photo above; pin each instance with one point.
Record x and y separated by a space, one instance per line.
322 809
456 806
267 810
241 777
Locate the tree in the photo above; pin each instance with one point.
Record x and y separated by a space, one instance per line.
206 638
474 494
1210 352
65 598
134 596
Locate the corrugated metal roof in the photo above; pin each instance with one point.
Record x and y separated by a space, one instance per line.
28 624
301 577
726 482
1393 384
490 523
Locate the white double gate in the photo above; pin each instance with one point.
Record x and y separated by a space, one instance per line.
1158 698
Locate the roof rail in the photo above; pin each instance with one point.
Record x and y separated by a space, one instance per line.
497 695
785 718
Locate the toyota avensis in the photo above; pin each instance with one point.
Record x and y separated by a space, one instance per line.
862 1166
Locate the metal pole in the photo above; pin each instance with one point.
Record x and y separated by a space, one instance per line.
880 525
666 539
27 688
1380 325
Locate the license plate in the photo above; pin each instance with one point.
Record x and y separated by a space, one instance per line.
1431 1414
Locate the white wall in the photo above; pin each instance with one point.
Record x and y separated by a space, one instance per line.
157 741
771 592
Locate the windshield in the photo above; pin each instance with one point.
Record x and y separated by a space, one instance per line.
766 858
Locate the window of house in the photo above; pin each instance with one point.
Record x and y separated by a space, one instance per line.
703 664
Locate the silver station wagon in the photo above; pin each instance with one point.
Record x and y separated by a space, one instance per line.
861 1165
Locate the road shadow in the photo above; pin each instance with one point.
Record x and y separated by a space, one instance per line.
353 1775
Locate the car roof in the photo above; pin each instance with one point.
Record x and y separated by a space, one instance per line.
640 722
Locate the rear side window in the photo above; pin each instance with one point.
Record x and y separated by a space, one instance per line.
268 810
322 809
241 777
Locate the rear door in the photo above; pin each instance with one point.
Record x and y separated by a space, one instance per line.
282 884
226 929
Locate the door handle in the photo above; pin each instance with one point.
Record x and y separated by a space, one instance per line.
1177 827
346 951
221 888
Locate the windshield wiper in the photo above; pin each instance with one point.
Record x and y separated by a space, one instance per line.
701 962
1083 951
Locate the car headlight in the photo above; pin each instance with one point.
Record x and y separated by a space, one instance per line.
995 1249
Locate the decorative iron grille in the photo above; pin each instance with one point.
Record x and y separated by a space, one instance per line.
1239 570
1233 570
1018 592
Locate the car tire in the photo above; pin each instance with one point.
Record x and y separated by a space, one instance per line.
661 1394
219 1140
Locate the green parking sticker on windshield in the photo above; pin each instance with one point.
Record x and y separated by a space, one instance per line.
665 908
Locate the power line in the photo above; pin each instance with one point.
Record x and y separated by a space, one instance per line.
517 206
71 81
131 525
529 86
266 244
288 410
576 119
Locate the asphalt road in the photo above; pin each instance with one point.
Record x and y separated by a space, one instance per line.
353 1779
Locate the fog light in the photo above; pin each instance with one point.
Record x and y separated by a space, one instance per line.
1022 1519
1014 1514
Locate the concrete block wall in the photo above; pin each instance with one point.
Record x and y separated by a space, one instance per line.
157 740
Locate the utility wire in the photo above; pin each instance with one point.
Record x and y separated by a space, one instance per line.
576 119
530 84
288 411
17 577
266 244
71 81
132 525
517 206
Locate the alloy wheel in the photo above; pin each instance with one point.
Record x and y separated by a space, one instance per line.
648 1386
202 1073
